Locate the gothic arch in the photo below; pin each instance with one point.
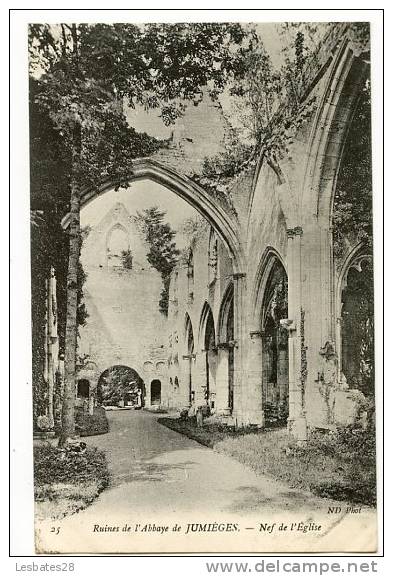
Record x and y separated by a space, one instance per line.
286 198
354 260
224 223
269 258
329 132
112 229
189 343
116 226
226 302
204 317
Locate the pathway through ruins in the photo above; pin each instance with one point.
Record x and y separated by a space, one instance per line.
161 478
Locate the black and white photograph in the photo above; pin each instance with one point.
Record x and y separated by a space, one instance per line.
203 374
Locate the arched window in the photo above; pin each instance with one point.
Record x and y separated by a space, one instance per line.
118 248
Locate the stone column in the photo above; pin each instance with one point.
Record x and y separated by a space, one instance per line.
254 380
296 419
199 378
222 381
186 381
240 391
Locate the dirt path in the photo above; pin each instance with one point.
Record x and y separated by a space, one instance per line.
161 478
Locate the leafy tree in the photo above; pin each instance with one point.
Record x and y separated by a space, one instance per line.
116 383
85 74
163 254
127 259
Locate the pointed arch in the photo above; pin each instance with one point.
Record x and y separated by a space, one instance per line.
268 260
224 314
205 317
329 132
188 336
225 223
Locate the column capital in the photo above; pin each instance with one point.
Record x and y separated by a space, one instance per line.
296 231
256 334
237 275
227 345
288 324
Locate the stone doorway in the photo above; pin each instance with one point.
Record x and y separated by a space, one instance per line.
155 393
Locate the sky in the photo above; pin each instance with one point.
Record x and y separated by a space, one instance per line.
144 194
140 195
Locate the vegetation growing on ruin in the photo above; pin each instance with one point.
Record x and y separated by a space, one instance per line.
163 254
267 104
84 74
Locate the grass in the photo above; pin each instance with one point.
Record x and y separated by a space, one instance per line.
65 481
208 435
338 465
91 425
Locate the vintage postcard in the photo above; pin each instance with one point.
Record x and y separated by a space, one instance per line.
202 287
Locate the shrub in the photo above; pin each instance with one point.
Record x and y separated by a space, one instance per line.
53 465
91 425
353 451
66 481
43 423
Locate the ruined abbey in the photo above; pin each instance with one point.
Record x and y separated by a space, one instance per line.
260 324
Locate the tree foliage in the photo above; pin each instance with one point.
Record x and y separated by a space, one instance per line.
163 254
84 75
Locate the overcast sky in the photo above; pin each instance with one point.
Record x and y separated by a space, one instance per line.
144 194
140 195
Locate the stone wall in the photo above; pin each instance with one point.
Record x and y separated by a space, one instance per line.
124 325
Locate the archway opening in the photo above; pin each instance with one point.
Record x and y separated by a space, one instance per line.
211 360
121 386
155 392
189 358
118 247
352 250
275 365
357 327
226 355
83 390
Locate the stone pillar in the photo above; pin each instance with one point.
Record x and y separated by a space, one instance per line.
186 381
254 380
199 378
222 381
240 391
296 419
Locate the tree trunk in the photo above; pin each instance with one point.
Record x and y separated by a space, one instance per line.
71 335
68 411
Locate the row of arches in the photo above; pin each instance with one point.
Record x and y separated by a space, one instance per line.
211 350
